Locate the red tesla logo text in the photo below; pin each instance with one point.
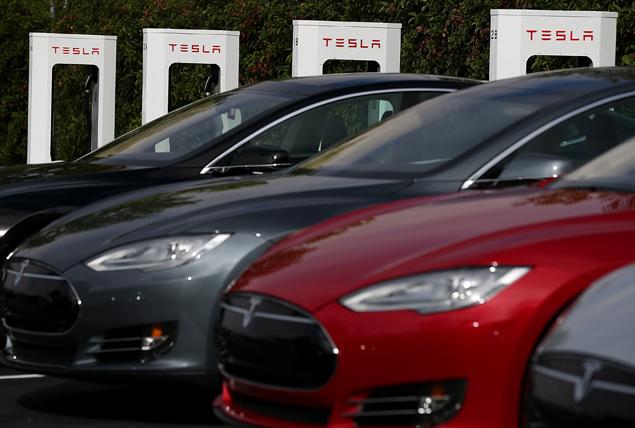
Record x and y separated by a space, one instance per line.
340 42
561 35
67 50
187 48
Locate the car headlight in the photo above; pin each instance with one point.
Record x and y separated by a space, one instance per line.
435 291
156 254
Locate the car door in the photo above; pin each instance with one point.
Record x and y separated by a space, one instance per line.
315 128
560 148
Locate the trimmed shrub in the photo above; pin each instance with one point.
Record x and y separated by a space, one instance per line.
450 38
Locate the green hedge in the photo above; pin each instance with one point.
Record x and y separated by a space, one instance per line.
438 37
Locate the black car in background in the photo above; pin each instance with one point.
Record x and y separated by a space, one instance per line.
583 373
127 287
254 129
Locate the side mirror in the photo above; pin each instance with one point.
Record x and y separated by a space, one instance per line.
260 156
527 167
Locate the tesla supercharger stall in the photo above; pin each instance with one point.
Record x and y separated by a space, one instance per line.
49 49
316 42
164 47
517 35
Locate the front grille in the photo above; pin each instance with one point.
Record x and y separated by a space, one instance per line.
265 341
35 298
300 414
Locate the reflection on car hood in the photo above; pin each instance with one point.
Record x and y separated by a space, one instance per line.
268 206
22 173
22 178
328 261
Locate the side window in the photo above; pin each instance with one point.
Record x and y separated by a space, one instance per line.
315 130
564 147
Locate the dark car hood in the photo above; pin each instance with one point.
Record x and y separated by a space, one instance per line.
16 181
26 189
25 174
270 207
326 262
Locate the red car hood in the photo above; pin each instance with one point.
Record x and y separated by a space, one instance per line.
328 261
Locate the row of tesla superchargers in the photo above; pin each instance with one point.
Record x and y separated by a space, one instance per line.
314 43
515 36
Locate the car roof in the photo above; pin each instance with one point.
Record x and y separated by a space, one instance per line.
314 85
563 84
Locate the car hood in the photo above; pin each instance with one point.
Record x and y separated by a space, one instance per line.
600 322
19 180
47 171
269 207
26 189
326 262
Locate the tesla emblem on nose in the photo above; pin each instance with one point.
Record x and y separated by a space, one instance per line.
19 274
583 385
249 315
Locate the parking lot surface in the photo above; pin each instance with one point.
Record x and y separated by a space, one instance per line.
38 401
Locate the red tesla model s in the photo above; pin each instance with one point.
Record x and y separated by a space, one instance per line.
420 313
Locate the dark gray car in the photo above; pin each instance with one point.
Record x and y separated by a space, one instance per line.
127 287
584 370
251 130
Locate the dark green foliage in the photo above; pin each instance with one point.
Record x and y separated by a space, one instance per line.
18 18
440 37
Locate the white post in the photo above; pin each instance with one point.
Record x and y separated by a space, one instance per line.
315 42
516 35
45 51
163 47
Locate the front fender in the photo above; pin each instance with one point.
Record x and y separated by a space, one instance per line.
27 226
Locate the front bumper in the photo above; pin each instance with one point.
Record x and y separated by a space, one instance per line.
120 312
468 347
484 348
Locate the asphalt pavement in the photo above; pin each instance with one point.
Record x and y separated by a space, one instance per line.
33 401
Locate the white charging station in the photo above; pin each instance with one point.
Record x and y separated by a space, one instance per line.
45 51
163 47
516 35
315 42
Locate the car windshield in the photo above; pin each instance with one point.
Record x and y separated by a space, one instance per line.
613 170
430 135
191 127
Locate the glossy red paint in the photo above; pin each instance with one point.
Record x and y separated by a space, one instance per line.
568 237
